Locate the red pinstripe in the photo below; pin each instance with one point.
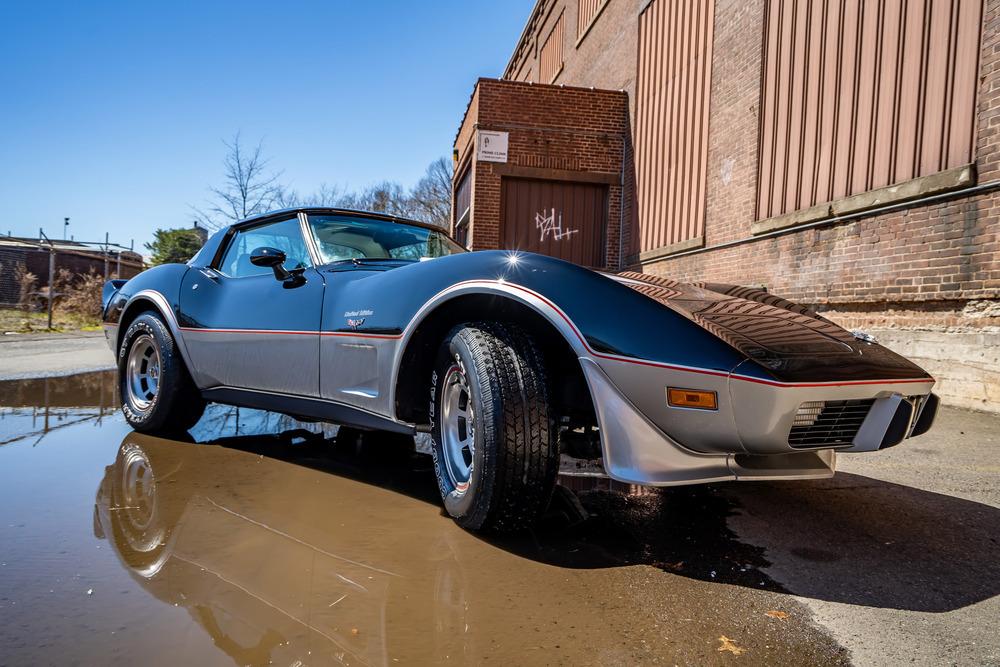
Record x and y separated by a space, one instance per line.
583 341
286 332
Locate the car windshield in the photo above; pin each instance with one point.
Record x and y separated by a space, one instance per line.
347 237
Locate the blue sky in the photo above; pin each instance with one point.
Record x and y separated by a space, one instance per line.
114 113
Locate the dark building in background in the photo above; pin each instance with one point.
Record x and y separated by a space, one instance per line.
19 254
844 155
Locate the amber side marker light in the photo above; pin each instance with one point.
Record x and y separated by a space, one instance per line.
692 398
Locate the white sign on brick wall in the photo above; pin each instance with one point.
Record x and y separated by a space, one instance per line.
491 146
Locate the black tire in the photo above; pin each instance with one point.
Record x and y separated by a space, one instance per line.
514 452
176 404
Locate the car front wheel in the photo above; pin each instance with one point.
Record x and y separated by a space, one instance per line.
495 449
157 393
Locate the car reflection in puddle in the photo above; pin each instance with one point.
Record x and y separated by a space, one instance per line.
275 566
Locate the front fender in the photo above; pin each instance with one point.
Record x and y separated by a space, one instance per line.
598 315
632 348
155 289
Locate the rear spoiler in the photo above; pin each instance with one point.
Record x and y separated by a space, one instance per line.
110 289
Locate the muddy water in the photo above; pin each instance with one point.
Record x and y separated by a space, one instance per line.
260 540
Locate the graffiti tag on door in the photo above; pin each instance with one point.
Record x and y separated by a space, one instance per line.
551 225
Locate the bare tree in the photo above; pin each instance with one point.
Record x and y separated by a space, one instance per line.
430 199
326 195
249 187
385 197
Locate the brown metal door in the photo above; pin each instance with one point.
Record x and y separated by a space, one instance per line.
556 218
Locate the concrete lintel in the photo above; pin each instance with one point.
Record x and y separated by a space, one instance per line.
547 174
942 181
667 250
793 219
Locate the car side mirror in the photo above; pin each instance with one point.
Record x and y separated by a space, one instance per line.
271 258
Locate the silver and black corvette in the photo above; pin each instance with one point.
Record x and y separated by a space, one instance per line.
511 361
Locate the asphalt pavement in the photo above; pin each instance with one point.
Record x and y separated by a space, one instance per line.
898 555
895 560
51 354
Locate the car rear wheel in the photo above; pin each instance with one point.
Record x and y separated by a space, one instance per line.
157 393
494 444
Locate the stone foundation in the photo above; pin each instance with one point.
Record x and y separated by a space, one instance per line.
959 346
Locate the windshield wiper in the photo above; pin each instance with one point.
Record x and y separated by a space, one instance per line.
361 261
368 261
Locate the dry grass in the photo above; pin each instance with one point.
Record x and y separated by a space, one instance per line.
77 305
26 281
79 294
19 321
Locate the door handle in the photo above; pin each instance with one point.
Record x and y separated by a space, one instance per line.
210 274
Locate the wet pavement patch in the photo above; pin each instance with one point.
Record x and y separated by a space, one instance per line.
260 539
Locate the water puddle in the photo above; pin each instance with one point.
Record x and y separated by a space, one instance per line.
261 540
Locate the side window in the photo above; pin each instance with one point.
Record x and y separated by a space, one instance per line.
285 235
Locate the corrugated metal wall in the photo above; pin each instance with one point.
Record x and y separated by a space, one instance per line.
586 10
672 104
858 95
550 59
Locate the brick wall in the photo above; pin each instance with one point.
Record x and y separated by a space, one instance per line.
923 275
988 127
554 131
731 187
939 252
604 58
942 252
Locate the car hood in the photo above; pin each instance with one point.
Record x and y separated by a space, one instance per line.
788 339
756 328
